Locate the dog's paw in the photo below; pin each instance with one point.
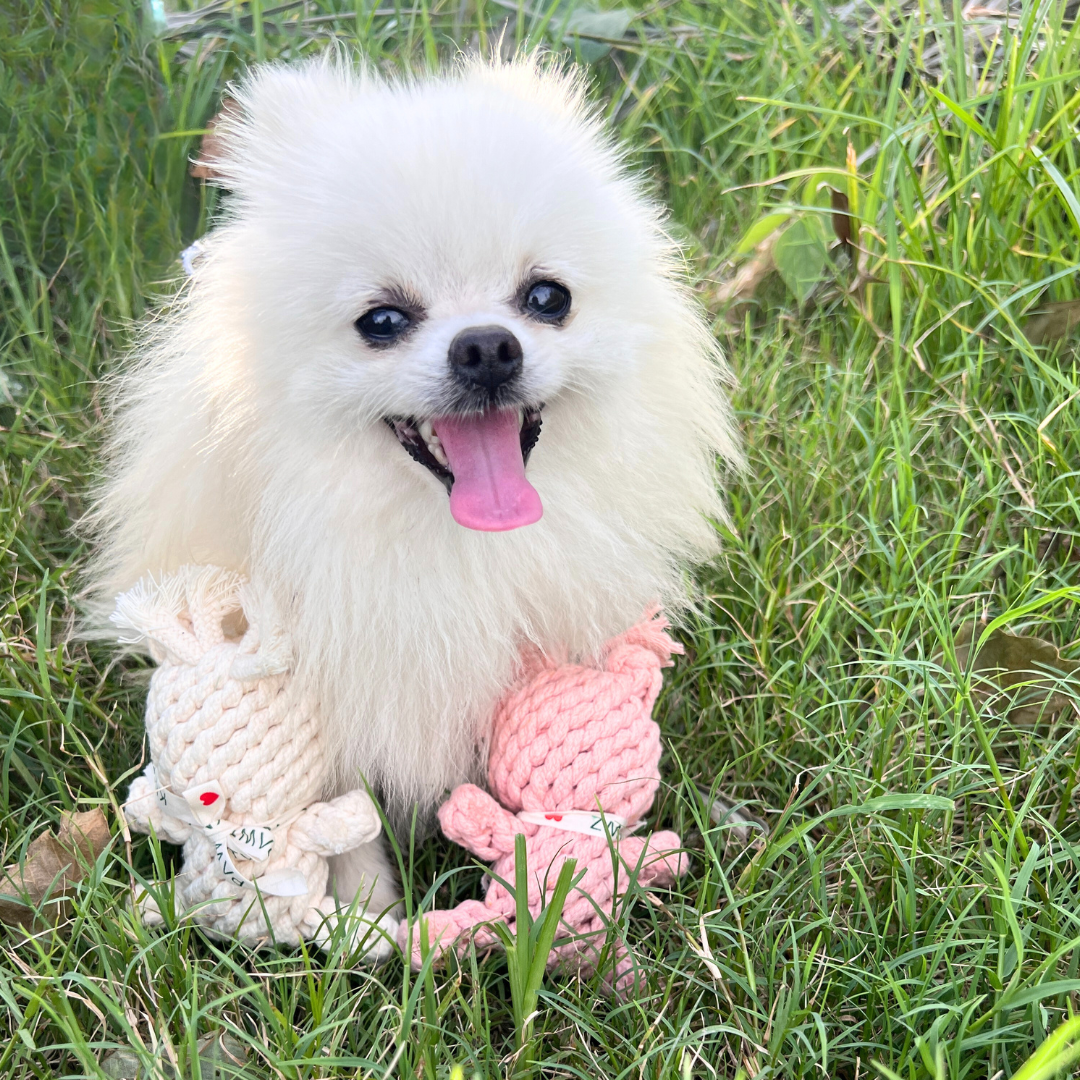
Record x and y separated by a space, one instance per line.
378 939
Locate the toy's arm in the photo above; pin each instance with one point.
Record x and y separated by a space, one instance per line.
473 819
344 823
656 859
143 810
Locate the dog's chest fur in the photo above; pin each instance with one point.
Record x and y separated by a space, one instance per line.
408 628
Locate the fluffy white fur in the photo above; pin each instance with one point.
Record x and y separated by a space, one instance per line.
249 433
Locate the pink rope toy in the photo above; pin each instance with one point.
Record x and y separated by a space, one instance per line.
570 741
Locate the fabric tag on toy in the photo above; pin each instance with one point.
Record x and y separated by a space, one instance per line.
200 807
282 882
206 801
580 821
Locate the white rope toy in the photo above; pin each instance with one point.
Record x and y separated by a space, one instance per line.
237 766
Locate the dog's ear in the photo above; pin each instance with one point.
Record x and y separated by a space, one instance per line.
264 127
207 165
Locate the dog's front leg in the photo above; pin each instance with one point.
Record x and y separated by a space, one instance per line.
366 875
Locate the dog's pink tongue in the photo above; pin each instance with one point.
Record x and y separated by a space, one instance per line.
490 492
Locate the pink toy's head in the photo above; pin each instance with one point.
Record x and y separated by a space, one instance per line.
581 737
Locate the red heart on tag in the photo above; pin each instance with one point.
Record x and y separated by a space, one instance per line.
208 798
553 817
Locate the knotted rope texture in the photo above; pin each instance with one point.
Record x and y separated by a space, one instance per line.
227 726
570 737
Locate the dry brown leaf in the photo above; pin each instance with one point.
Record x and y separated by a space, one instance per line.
1057 543
741 828
846 229
734 296
1027 671
52 865
841 217
1052 322
211 150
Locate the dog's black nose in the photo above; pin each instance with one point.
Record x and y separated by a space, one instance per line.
486 356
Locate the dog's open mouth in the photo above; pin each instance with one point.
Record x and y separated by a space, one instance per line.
481 461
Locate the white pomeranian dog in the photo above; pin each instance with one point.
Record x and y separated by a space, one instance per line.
438 388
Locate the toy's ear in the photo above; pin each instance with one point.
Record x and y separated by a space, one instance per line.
179 615
532 660
650 633
207 166
266 647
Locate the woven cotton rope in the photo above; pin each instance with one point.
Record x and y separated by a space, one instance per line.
238 765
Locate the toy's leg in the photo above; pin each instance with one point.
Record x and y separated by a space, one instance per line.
626 979
445 928
376 935
148 911
366 872
662 863
583 954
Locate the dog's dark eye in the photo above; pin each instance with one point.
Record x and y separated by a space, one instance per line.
547 300
382 325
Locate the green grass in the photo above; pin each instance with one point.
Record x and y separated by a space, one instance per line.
915 906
